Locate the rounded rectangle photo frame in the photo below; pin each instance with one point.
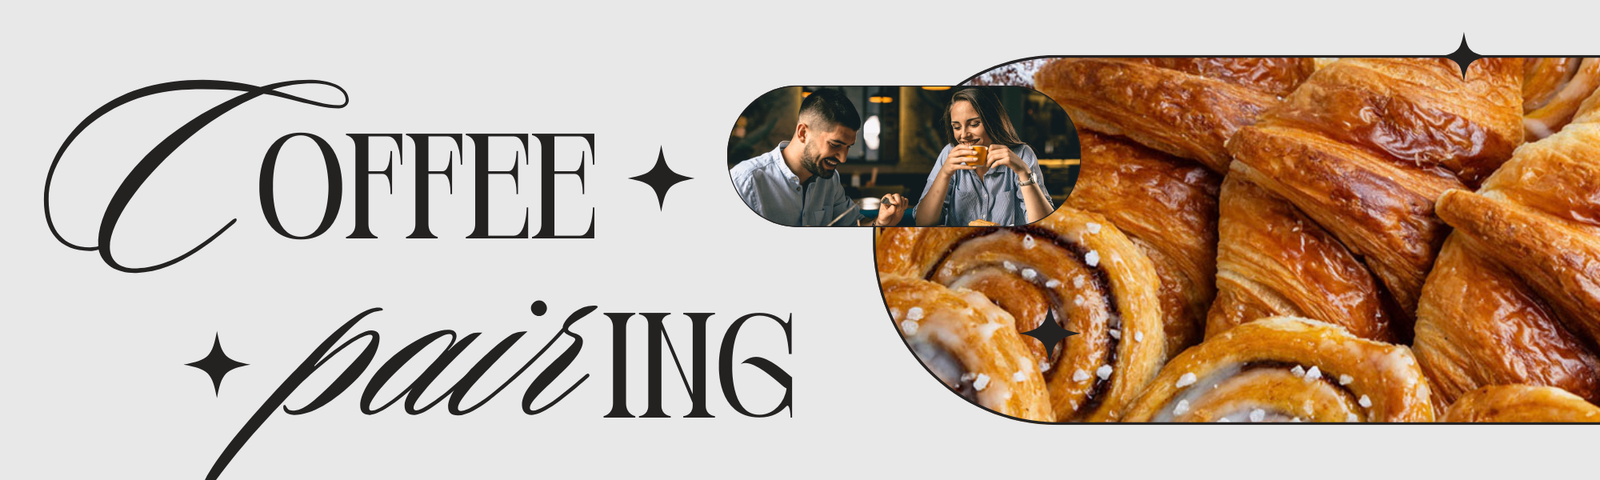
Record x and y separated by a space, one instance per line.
1281 240
903 156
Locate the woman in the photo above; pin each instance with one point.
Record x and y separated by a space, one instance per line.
1004 188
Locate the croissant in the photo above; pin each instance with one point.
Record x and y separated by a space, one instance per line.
1521 403
1360 151
1274 260
1185 107
1277 76
1552 90
1343 182
1287 369
1073 265
1515 297
1168 207
969 344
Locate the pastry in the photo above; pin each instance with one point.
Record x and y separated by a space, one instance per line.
1168 207
969 344
1361 150
1329 189
1276 76
1479 324
1153 182
982 223
1287 369
1522 404
1552 90
1514 297
1272 260
1073 265
1185 107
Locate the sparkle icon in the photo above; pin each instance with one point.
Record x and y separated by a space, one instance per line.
216 364
1050 333
1464 56
661 178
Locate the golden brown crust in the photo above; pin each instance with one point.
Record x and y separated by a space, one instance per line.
1378 217
1190 116
1263 371
1478 324
1522 404
1417 113
1168 207
1589 110
1514 297
1365 145
982 223
1558 177
1559 260
1176 108
1543 77
1271 75
969 344
1552 91
1273 260
1074 264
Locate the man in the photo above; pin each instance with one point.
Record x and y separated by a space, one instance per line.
796 184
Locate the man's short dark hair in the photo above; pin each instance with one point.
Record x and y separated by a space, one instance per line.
832 107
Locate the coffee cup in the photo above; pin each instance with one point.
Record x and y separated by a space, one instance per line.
869 207
981 155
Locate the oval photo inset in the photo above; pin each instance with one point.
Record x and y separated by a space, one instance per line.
903 156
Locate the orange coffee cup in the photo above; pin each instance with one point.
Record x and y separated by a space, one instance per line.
982 155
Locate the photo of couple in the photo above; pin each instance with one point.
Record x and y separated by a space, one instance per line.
916 156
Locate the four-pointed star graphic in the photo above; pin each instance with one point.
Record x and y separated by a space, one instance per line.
1050 333
216 364
1464 56
661 178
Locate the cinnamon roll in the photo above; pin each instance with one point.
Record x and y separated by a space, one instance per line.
1287 369
1522 404
1074 265
1168 207
1159 181
970 345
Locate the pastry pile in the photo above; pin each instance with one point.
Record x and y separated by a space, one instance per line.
1286 239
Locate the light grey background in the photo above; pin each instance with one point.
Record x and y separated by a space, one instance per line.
93 375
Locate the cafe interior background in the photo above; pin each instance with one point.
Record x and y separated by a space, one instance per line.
902 132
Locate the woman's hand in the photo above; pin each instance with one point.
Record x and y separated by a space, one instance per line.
956 161
1002 155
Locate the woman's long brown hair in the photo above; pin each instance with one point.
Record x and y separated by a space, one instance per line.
993 115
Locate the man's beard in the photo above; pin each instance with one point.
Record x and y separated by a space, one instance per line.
811 163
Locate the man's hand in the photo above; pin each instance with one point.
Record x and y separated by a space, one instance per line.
890 208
